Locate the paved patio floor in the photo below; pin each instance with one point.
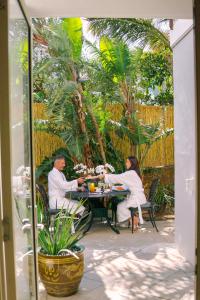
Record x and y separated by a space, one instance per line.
145 265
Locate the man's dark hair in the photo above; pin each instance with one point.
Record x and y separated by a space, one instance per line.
58 157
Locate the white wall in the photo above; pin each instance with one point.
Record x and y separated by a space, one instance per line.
171 9
185 142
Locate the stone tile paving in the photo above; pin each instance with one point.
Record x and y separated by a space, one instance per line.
145 265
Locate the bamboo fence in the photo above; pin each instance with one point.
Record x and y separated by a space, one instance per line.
161 152
44 143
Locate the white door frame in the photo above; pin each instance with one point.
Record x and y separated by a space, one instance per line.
197 54
6 233
7 249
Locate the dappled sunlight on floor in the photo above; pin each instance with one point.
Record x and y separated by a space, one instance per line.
145 265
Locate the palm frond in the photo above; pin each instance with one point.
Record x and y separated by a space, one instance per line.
114 57
140 32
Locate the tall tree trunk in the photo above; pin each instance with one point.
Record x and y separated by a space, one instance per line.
129 106
78 102
77 99
98 134
128 98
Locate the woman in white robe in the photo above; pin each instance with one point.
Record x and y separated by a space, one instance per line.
132 180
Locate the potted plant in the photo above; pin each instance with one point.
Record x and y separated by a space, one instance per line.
60 258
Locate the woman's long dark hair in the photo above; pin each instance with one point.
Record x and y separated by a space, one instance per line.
134 165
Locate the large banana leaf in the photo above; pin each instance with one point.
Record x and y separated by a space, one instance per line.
115 57
142 134
73 29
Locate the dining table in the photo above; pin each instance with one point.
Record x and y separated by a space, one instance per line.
98 203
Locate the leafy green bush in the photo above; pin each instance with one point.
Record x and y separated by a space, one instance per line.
165 197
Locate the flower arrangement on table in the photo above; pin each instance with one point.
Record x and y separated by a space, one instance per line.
84 171
104 169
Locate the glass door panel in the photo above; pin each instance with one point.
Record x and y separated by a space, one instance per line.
22 194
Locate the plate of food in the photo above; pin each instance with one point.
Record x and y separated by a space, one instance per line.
119 188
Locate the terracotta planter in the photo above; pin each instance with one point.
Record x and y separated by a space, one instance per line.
61 275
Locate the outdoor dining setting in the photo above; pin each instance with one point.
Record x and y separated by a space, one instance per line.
103 153
101 199
98 164
71 207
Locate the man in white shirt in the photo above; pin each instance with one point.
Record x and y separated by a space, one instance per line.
58 186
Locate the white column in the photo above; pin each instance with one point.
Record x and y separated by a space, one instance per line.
182 41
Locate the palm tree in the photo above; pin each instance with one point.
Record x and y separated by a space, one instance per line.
117 65
140 32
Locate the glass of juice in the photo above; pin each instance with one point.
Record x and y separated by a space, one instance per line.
92 187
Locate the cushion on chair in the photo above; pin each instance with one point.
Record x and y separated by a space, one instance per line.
146 205
143 206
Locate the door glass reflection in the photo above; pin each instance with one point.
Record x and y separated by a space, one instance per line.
20 143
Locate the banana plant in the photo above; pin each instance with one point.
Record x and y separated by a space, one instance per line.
144 135
116 60
63 45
